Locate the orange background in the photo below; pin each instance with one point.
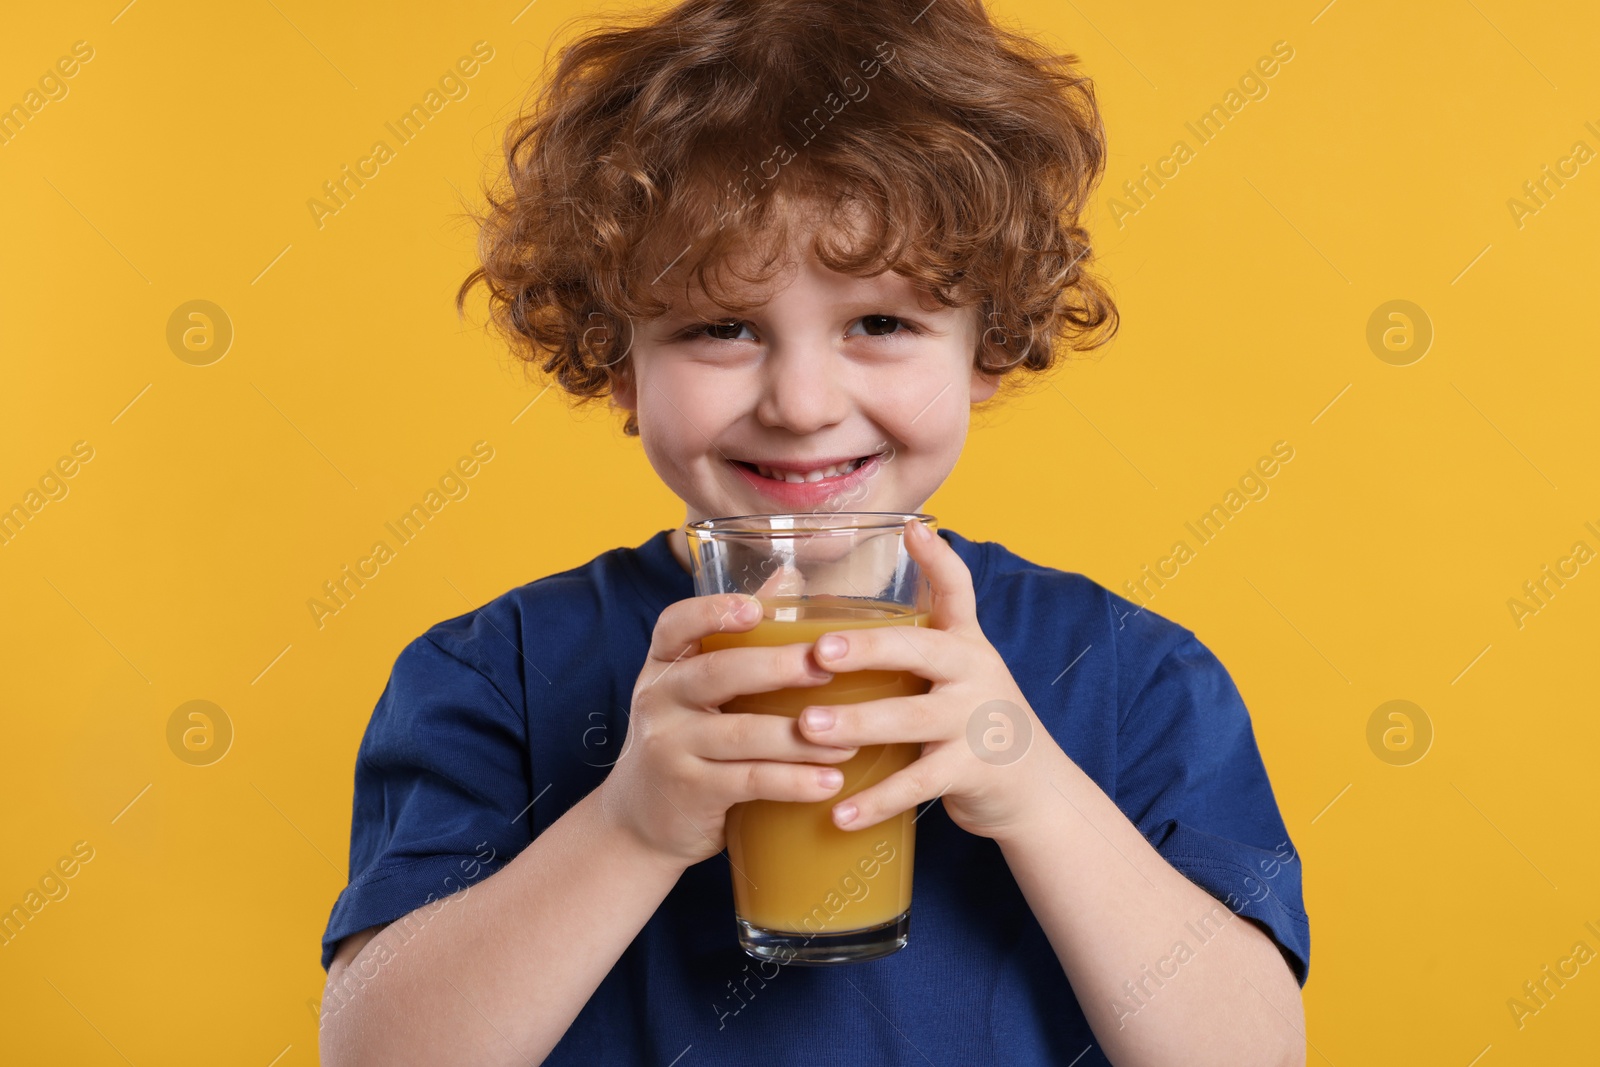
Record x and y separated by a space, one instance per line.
1379 166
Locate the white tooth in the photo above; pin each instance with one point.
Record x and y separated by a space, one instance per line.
820 473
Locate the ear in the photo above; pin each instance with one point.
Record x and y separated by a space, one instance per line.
983 385
624 394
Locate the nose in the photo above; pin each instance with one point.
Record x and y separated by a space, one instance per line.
803 390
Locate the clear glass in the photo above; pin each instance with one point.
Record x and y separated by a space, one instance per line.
804 890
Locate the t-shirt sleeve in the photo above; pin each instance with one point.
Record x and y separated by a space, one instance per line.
1191 779
441 785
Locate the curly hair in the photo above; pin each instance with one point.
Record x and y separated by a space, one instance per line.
958 153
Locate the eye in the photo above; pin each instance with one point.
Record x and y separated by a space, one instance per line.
720 331
883 325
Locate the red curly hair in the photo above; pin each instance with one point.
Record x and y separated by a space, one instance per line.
956 152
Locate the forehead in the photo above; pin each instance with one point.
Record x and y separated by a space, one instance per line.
728 290
751 268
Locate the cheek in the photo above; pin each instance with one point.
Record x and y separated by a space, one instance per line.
930 418
682 409
926 402
662 394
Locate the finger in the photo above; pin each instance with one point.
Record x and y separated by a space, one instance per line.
781 580
681 625
901 791
711 679
757 736
874 722
936 655
763 780
954 603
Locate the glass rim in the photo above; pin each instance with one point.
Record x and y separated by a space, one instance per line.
763 525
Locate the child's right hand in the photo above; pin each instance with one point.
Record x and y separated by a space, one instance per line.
684 762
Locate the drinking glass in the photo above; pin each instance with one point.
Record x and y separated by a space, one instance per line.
804 890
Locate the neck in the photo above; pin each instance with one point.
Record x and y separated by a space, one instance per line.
679 540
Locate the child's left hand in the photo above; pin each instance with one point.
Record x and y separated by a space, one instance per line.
988 789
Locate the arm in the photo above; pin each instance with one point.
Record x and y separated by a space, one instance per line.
499 971
1112 907
1115 913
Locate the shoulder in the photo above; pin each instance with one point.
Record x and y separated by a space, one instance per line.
525 633
1028 608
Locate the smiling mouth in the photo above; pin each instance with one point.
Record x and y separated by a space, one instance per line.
801 477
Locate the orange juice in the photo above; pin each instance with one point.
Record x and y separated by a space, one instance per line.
794 870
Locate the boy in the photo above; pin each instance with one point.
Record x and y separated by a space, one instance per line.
797 240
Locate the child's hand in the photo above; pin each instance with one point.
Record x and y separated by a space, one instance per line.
684 762
986 794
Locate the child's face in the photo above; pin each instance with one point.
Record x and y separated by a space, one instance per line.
829 368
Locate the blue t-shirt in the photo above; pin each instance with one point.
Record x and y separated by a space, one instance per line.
496 722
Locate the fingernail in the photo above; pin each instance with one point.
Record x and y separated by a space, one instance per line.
748 611
831 646
844 813
919 531
831 778
817 718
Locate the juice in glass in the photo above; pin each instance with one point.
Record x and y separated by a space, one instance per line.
804 890
795 872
